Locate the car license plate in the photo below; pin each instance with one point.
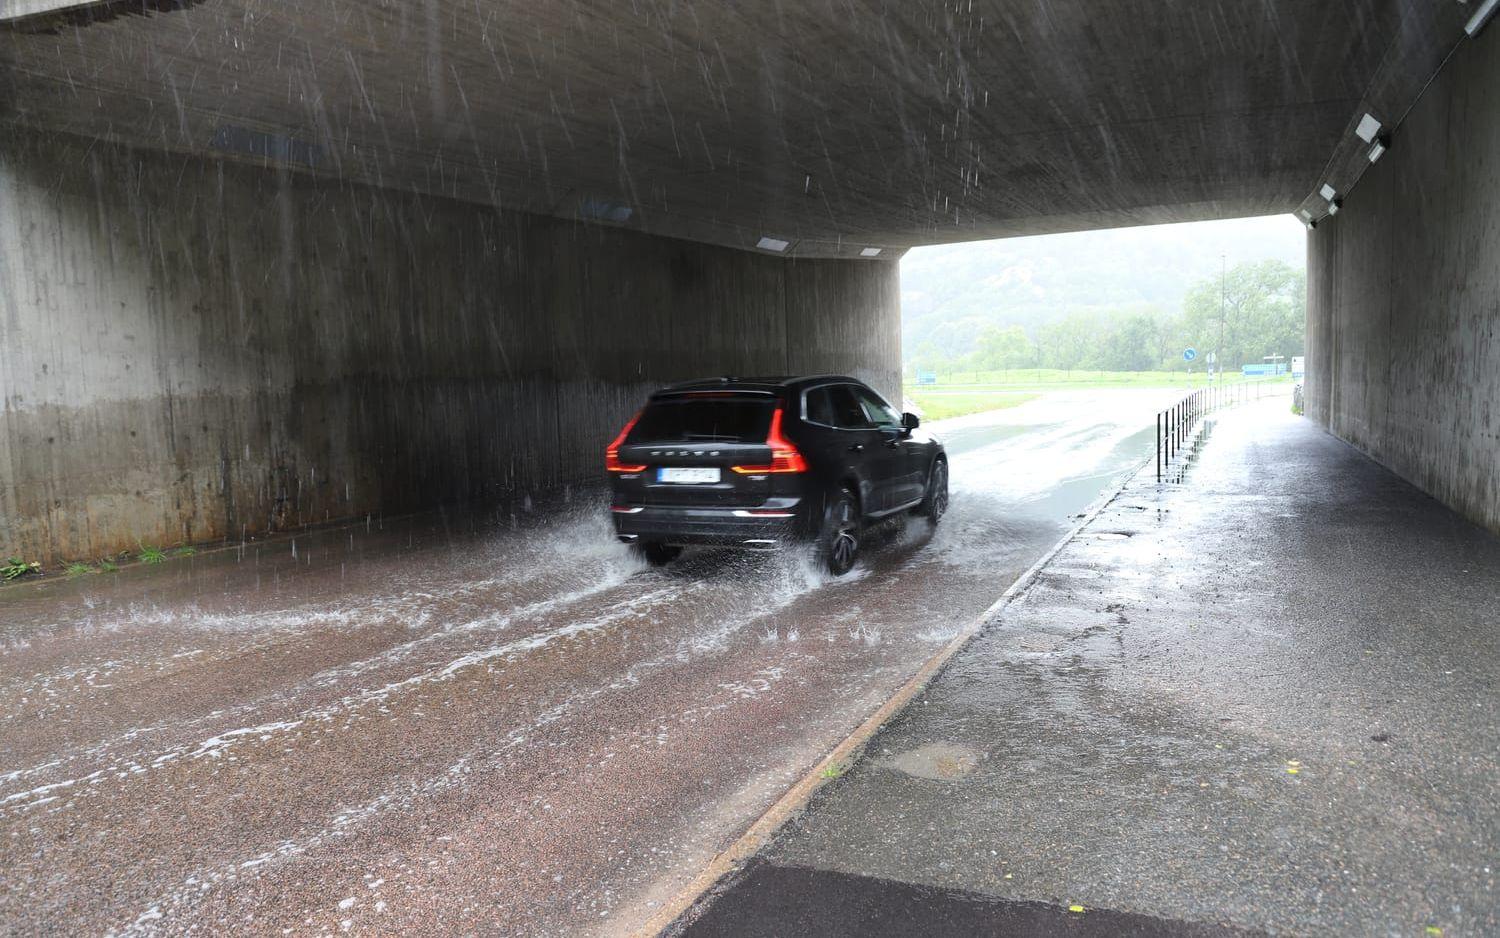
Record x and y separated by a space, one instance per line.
691 476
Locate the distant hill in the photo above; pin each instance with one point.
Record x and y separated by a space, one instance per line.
950 293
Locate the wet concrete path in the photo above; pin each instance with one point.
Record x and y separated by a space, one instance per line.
462 723
1265 699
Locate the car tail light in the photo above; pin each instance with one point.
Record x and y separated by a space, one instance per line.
784 456
612 452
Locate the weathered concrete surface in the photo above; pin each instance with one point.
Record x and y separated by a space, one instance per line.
834 125
193 350
1404 296
1265 699
475 724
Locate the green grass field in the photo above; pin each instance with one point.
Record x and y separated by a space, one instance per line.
1044 379
944 404
972 392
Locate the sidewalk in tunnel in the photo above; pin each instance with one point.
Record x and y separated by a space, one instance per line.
1261 700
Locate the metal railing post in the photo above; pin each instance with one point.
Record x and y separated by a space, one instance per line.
1158 446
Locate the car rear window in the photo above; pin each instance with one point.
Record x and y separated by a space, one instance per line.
704 419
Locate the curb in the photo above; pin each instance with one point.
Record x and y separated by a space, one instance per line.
796 798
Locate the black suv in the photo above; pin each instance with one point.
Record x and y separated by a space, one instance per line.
756 462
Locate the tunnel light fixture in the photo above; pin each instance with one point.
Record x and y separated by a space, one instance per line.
601 209
278 147
1481 16
772 244
1334 205
1328 192
1378 148
1368 128
869 252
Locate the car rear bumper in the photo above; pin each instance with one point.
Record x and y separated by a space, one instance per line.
763 526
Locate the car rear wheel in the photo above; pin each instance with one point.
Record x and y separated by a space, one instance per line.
838 541
935 500
658 555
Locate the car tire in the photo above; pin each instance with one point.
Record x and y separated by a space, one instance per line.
935 499
838 539
657 554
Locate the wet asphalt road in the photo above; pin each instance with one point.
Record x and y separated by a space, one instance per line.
769 901
467 723
1266 699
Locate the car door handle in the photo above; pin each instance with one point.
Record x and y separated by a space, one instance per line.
857 448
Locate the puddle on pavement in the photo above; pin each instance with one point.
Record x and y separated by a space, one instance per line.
938 761
1039 644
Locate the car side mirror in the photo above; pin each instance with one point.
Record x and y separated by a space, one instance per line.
910 421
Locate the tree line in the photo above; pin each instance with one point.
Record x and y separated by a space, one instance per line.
1255 310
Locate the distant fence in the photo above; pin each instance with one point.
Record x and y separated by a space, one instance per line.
1176 425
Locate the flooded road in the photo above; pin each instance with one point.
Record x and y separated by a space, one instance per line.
477 723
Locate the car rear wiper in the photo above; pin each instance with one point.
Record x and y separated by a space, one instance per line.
717 437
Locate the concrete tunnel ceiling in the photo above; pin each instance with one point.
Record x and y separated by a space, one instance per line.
837 126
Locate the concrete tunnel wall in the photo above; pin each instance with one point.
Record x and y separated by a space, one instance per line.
1404 295
193 350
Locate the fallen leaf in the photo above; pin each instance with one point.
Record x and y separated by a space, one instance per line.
1075 908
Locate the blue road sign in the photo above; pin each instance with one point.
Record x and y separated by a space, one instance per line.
1188 354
